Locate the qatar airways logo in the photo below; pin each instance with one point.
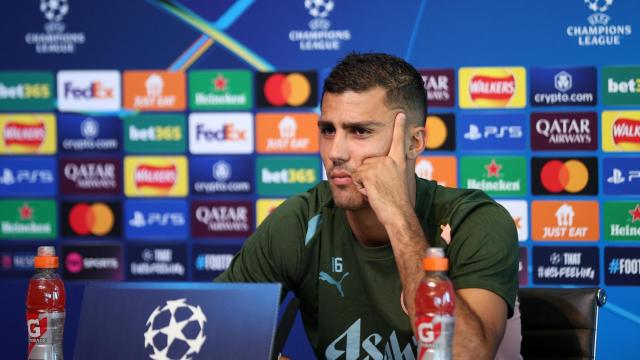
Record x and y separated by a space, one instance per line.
88 176
158 177
28 135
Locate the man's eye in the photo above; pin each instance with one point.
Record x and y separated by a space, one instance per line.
327 130
361 131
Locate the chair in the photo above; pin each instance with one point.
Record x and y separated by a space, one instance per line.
559 323
284 327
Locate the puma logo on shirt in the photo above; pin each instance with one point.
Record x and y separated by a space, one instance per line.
338 284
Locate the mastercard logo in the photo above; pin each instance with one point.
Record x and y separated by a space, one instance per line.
571 176
440 132
293 89
95 219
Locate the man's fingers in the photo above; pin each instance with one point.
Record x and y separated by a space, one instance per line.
397 150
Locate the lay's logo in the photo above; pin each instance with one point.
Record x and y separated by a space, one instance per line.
28 134
492 87
155 176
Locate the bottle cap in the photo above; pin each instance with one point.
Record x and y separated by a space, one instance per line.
46 258
435 260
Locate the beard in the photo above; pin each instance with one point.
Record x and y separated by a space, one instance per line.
348 197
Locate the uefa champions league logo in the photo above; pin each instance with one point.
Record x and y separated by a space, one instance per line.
319 9
175 331
599 8
54 10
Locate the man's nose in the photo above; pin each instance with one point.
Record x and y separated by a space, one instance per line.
339 152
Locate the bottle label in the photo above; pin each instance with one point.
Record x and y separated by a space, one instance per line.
435 337
45 334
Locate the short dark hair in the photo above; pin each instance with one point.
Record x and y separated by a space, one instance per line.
402 82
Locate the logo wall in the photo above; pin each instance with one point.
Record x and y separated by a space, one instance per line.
89 176
287 89
320 36
28 219
154 90
81 90
155 176
26 91
212 260
564 131
497 175
221 218
95 219
220 90
492 87
565 221
92 262
491 132
519 211
566 265
440 87
622 220
28 134
622 265
620 85
441 130
599 30
221 133
17 260
286 175
442 169
563 86
54 39
79 133
287 133
156 219
564 176
156 261
264 208
32 176
621 176
621 131
222 174
155 134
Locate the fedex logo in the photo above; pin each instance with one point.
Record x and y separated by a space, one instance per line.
221 133
227 133
492 132
89 90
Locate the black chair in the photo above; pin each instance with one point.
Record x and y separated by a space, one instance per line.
284 327
559 323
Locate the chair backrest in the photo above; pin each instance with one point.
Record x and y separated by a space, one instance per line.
559 323
284 327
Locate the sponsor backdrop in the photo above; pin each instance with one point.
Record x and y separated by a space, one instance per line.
147 142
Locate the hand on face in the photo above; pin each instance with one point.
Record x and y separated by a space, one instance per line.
383 180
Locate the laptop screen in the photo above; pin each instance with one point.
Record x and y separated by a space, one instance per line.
177 321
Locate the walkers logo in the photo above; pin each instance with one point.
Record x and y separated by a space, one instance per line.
564 176
442 169
620 85
155 134
622 176
220 90
212 260
155 176
622 265
28 134
491 132
221 218
32 176
492 87
622 220
83 134
290 89
442 132
97 219
523 264
55 40
563 86
564 131
28 219
90 176
221 133
564 221
264 208
520 213
26 91
222 174
287 133
156 219
497 175
320 36
621 130
566 265
154 90
92 262
156 262
81 90
286 175
599 32
440 87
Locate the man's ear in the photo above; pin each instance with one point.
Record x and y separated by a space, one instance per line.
417 141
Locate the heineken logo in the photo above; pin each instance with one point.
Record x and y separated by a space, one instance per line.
27 219
622 220
505 175
211 90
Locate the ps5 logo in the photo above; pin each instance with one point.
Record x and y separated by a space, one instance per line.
491 131
140 220
8 177
617 178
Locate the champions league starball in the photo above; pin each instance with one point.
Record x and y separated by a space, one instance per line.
175 331
54 10
319 8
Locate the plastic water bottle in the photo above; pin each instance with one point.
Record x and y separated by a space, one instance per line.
45 307
435 308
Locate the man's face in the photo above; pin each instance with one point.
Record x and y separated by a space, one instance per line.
353 127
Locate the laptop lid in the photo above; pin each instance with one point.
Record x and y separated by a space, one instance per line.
177 321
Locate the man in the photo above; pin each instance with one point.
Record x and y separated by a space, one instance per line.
351 248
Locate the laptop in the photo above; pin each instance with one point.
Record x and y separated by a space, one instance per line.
177 321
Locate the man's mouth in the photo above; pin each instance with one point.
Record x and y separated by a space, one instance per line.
340 178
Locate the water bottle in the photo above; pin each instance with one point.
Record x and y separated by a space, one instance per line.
45 307
435 308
